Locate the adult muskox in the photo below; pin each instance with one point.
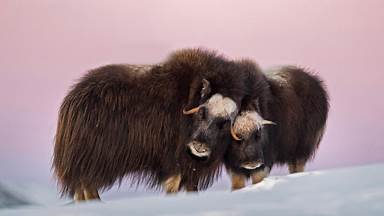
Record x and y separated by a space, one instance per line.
139 121
295 110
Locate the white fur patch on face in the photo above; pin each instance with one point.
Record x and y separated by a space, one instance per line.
219 106
247 122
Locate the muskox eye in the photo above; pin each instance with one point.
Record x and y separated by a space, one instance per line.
257 135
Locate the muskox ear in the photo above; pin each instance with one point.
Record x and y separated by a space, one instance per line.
206 88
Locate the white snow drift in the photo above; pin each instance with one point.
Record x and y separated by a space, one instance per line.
350 191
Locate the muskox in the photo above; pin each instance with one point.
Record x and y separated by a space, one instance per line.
286 127
162 125
256 95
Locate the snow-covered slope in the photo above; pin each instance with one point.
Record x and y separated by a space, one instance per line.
20 194
350 191
9 198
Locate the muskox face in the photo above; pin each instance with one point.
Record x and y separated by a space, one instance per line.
212 120
249 136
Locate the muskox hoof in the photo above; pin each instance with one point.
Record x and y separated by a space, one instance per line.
296 167
83 194
79 196
199 150
91 194
172 184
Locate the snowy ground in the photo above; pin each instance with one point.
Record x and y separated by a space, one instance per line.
349 191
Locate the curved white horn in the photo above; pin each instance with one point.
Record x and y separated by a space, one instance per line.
234 135
267 122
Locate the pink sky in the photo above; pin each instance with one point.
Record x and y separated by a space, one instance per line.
46 45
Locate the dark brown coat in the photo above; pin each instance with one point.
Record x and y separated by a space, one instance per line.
127 121
299 106
297 103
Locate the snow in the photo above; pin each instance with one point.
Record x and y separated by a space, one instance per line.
347 191
30 193
10 198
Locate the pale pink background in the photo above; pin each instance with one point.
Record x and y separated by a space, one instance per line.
46 45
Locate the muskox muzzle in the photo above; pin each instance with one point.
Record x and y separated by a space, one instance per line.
251 165
198 149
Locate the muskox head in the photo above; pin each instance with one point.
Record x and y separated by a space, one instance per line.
212 119
249 137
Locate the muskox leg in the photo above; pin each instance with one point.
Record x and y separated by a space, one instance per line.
91 194
79 195
259 175
238 181
172 184
297 166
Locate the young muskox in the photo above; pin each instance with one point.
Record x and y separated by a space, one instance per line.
296 110
139 122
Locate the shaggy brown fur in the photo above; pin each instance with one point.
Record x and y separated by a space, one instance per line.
300 109
298 103
259 99
255 89
127 121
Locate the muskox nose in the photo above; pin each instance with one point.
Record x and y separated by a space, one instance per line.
199 149
250 165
